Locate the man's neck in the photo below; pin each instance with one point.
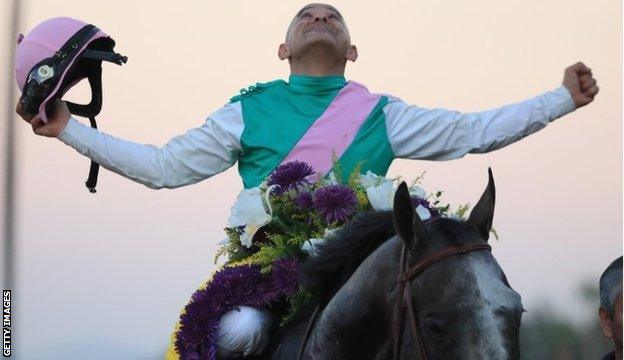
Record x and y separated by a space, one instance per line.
316 62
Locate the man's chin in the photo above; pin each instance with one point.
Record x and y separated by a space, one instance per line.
325 42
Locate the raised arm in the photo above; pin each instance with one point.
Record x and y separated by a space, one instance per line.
186 159
440 134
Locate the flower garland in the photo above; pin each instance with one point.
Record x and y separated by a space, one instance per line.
272 227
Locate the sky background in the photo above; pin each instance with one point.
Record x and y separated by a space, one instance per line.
104 276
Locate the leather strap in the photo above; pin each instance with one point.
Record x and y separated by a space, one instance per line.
404 279
94 168
308 331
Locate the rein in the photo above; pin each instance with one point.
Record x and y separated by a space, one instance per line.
403 300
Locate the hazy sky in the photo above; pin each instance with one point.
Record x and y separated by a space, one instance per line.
105 275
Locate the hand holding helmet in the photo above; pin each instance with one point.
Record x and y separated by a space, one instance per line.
56 123
56 55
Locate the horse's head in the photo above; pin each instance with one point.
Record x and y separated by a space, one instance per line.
463 304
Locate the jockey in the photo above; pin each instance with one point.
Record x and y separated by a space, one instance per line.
316 116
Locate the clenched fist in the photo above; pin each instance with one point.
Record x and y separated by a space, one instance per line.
56 123
580 83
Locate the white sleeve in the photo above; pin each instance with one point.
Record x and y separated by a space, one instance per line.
439 134
186 159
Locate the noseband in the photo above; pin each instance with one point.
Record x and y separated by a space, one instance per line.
405 278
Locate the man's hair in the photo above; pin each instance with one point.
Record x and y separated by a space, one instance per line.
292 22
611 286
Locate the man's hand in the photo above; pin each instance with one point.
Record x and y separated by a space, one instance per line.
55 124
580 83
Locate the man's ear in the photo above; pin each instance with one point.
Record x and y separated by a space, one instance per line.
283 52
606 323
352 53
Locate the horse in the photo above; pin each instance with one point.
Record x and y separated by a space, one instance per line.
391 286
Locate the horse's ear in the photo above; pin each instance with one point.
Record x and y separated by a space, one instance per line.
482 214
406 221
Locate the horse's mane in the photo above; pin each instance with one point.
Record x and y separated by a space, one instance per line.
340 256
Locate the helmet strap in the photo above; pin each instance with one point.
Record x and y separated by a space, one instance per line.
95 167
91 110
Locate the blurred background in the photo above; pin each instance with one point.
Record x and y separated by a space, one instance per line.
104 276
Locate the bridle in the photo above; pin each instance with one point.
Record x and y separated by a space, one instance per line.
404 279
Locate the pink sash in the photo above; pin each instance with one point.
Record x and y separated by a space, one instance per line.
332 133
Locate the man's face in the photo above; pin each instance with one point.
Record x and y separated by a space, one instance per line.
317 25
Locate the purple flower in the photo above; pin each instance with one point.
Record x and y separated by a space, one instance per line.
229 288
416 201
290 176
304 200
284 277
335 203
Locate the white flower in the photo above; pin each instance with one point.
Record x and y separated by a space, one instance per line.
381 196
418 191
331 179
330 232
249 211
370 179
423 212
263 184
311 246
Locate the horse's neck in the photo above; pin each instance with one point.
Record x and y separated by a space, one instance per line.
360 313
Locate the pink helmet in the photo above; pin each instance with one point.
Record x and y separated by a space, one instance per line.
57 54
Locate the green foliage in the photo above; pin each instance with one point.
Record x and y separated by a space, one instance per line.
297 303
353 181
223 250
233 249
418 180
435 199
279 246
462 210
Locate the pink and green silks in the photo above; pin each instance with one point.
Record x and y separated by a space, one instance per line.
316 120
